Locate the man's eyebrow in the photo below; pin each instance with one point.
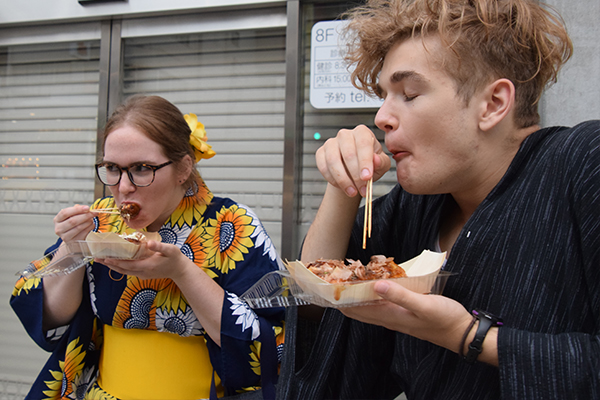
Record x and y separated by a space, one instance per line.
399 76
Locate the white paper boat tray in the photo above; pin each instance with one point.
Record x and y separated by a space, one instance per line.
298 286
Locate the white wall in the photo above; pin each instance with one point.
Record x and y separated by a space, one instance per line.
576 95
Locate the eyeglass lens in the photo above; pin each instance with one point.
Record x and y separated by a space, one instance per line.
139 174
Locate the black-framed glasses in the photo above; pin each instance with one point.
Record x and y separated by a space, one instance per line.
140 174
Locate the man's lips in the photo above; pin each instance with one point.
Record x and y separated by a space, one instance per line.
399 155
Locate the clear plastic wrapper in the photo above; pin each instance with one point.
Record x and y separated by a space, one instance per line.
73 257
298 286
274 290
76 254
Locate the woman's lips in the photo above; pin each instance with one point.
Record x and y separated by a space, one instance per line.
129 210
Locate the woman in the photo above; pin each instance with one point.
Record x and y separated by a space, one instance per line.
169 326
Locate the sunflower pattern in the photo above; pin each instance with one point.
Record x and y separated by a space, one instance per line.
223 238
254 355
84 382
180 323
192 206
96 393
31 283
136 308
228 237
255 350
26 285
70 371
105 222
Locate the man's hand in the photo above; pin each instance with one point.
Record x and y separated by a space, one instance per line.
350 159
436 319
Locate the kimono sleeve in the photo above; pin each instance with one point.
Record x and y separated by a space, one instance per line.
27 302
239 361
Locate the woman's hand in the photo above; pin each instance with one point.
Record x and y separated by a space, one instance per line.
73 223
437 319
350 159
167 261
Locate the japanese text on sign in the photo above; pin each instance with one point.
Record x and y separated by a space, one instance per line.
330 82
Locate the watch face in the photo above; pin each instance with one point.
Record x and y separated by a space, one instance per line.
487 315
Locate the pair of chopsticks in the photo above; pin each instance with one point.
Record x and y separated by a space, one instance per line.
106 210
368 212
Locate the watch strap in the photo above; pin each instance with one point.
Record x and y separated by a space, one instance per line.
486 321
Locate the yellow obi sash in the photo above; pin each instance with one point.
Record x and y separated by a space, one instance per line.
151 365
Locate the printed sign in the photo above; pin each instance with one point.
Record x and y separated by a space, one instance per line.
330 83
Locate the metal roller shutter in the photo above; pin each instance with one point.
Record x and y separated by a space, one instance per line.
48 119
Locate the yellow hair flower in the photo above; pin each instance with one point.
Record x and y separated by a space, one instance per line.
198 138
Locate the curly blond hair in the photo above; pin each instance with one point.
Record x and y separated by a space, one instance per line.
521 40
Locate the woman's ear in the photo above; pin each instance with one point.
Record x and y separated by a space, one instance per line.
185 169
498 103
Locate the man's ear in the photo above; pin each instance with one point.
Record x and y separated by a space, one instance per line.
498 103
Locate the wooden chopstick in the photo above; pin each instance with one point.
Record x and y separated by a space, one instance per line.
368 213
106 210
370 192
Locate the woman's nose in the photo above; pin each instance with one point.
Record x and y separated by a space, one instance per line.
125 184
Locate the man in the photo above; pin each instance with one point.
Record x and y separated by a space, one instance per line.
515 207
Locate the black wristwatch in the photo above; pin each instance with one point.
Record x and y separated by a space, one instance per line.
486 321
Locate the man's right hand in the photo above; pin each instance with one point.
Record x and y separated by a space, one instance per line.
350 159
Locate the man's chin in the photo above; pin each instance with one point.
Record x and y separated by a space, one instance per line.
415 188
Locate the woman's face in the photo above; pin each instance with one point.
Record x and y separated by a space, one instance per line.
128 145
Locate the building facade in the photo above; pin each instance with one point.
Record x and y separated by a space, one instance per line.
242 66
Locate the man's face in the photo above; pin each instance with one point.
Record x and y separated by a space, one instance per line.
431 133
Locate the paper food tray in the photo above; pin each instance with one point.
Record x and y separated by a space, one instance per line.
299 286
111 245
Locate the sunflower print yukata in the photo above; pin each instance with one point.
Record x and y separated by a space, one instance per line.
222 237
